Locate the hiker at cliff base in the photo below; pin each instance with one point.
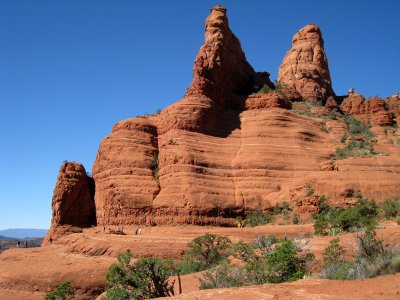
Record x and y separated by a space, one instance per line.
18 244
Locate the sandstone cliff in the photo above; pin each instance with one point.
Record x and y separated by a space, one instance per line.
224 150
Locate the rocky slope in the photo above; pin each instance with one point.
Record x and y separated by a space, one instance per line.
224 149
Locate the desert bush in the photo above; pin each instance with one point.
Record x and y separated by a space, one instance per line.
335 221
284 263
265 89
296 219
358 128
256 218
267 260
155 167
310 190
361 142
147 278
117 293
391 208
398 220
205 252
223 275
335 266
63 291
355 149
324 128
371 259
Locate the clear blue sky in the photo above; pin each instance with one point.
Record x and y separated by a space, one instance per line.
71 69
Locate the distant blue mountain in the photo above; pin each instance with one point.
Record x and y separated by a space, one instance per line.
21 233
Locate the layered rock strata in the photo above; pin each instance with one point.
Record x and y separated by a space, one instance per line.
305 66
373 110
223 151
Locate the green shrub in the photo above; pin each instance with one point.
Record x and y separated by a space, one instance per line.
296 219
262 263
155 167
371 259
358 128
147 278
398 220
321 225
343 139
391 208
265 89
62 292
310 190
117 293
284 263
256 218
324 128
205 252
224 275
335 266
335 221
361 142
282 208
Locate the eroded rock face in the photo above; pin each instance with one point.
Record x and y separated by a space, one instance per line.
371 111
221 71
125 172
221 151
270 100
393 104
305 66
222 78
73 197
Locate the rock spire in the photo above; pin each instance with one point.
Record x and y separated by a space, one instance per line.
220 71
305 66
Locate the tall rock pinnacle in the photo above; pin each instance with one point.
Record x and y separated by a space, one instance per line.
73 197
305 66
220 70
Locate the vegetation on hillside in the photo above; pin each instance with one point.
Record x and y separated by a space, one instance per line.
63 291
332 221
146 278
371 259
359 142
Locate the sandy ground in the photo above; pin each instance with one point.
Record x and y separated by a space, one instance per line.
85 257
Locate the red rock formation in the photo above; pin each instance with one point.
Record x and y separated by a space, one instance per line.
73 202
124 172
222 78
393 104
218 153
305 66
331 104
73 197
221 71
270 100
371 111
